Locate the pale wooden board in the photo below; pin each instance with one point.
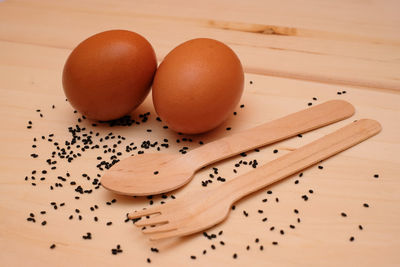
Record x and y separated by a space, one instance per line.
345 183
353 43
36 38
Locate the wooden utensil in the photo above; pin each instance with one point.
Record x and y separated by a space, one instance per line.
150 174
198 211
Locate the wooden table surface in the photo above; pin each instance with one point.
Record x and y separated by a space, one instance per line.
294 53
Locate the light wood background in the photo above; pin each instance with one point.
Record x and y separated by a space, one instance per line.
292 51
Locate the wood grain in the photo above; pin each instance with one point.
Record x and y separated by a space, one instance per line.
345 42
333 43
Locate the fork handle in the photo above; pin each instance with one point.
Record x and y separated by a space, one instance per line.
271 132
301 158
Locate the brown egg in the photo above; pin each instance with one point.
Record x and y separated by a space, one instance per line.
197 86
109 74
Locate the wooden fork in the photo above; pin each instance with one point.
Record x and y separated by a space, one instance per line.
198 211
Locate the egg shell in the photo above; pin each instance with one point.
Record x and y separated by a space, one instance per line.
109 74
198 85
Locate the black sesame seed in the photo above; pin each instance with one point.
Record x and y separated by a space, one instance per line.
193 257
257 240
53 246
376 175
360 227
261 247
275 150
320 167
242 106
44 223
366 205
351 239
235 256
274 243
343 214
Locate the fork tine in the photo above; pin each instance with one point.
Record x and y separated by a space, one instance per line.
141 213
160 228
151 221
168 234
